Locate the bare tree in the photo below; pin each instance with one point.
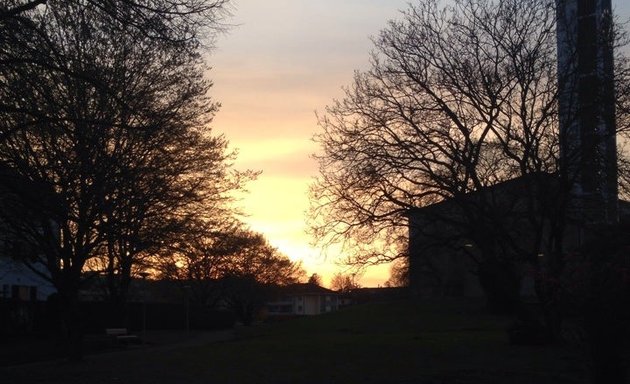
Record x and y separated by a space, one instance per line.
344 283
254 274
224 262
197 258
176 22
256 257
458 111
315 279
458 98
115 127
183 26
398 273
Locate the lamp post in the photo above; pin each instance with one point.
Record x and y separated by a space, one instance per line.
187 298
144 276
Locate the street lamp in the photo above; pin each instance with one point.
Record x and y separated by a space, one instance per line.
144 276
187 297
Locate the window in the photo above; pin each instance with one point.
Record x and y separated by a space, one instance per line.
23 292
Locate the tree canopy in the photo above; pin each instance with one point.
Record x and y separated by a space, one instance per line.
344 282
458 98
104 108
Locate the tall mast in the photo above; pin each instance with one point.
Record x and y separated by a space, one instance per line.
588 147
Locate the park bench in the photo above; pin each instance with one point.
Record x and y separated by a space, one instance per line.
121 336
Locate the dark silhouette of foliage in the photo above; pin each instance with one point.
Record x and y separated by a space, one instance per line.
315 279
163 21
459 98
447 108
253 273
113 120
344 283
228 265
398 273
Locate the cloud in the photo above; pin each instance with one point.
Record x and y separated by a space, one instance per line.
278 158
288 167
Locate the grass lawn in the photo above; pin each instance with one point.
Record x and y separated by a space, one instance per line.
401 342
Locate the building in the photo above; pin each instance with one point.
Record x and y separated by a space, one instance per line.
17 281
587 107
451 242
303 299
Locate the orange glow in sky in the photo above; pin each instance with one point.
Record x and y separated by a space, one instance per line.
284 60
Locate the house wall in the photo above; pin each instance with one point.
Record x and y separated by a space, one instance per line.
17 282
305 304
312 305
328 303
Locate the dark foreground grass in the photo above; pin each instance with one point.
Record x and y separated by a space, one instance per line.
401 342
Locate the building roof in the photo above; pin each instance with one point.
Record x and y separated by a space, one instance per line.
514 186
306 289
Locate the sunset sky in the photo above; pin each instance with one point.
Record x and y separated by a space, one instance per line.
284 60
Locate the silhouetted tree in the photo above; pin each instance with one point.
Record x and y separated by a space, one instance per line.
114 124
458 98
622 109
198 259
445 110
253 274
164 21
228 263
184 25
315 279
258 258
344 283
398 273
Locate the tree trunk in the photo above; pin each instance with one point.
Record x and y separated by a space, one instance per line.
72 326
